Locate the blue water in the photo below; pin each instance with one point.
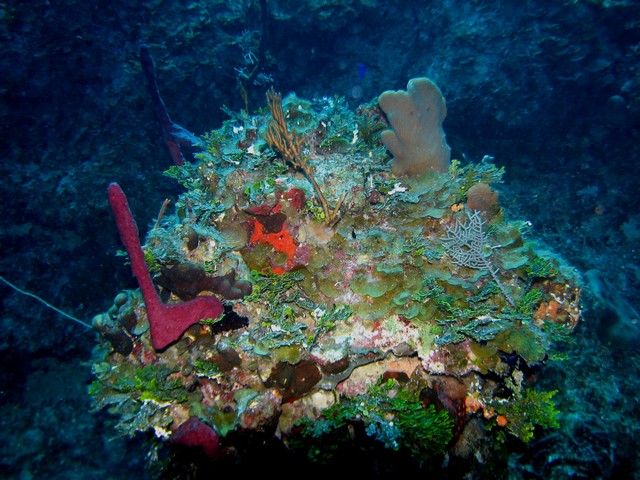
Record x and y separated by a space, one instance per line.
550 89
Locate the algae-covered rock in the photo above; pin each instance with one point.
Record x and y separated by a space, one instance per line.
384 323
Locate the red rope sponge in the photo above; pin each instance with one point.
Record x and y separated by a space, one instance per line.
168 322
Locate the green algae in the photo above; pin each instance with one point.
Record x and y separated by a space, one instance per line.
391 414
528 410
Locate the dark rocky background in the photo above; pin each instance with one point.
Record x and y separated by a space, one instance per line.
550 88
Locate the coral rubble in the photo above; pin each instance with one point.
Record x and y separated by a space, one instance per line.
366 330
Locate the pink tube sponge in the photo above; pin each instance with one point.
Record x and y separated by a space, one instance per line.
168 322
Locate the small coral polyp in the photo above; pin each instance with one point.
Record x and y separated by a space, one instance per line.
362 332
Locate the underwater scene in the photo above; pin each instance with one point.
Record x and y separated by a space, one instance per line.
358 238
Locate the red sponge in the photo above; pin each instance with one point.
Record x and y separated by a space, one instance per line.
168 322
195 433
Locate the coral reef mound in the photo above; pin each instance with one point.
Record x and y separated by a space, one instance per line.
411 323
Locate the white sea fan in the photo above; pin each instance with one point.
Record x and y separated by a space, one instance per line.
465 245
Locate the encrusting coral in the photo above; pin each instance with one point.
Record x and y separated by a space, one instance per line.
416 140
371 331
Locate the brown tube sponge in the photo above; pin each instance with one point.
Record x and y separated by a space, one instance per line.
417 141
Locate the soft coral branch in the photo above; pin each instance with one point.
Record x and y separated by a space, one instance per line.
289 144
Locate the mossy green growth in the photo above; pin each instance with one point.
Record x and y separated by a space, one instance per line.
151 261
467 176
431 290
454 308
186 175
369 130
206 368
419 247
213 143
326 320
390 413
541 268
531 409
148 382
335 145
272 288
530 301
314 211
258 191
480 329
